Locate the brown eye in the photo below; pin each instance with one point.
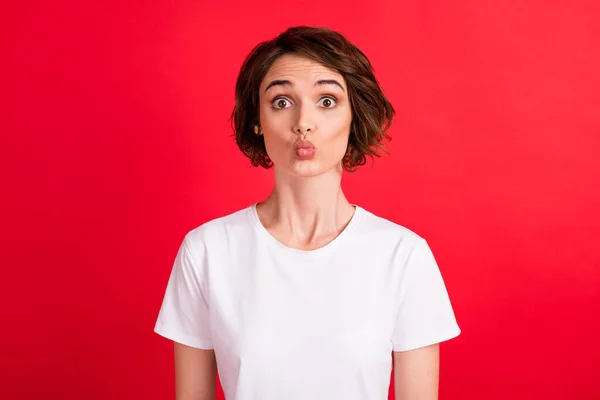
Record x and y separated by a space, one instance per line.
280 103
328 102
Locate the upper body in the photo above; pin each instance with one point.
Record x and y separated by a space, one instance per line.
298 324
305 295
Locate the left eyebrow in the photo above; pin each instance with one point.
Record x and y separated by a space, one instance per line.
321 82
329 82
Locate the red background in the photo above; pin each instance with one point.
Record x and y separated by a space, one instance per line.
115 142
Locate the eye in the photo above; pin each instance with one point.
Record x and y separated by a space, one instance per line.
328 102
280 103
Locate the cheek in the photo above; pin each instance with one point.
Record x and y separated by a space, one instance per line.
275 144
271 126
340 123
339 131
341 145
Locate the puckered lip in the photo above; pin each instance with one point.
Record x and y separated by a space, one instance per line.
304 144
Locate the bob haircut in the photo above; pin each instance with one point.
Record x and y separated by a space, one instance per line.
372 113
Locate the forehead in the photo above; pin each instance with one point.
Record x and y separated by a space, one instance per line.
296 68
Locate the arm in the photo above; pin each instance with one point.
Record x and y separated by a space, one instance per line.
416 373
195 373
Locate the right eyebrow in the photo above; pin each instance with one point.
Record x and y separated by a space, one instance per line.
280 82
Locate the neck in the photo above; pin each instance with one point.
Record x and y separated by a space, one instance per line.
306 208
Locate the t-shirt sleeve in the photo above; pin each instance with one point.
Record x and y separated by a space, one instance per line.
184 314
426 316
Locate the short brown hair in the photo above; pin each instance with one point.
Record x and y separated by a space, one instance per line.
372 113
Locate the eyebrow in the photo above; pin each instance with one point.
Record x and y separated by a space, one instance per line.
320 82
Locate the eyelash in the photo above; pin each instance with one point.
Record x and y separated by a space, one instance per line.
286 99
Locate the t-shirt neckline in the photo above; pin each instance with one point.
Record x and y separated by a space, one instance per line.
306 254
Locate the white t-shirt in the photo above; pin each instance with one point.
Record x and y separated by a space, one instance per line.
305 324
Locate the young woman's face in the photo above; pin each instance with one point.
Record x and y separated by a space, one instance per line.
305 116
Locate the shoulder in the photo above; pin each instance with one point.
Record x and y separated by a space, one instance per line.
380 227
220 230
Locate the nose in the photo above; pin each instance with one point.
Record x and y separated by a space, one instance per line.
305 122
303 132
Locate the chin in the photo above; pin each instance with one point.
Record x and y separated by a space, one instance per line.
310 168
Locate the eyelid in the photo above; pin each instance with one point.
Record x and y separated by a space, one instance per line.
330 97
325 96
280 97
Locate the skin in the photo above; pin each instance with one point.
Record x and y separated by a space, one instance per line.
307 208
416 373
195 373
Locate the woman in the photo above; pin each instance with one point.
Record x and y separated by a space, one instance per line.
305 295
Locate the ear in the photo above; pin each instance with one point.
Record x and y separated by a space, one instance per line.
257 130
